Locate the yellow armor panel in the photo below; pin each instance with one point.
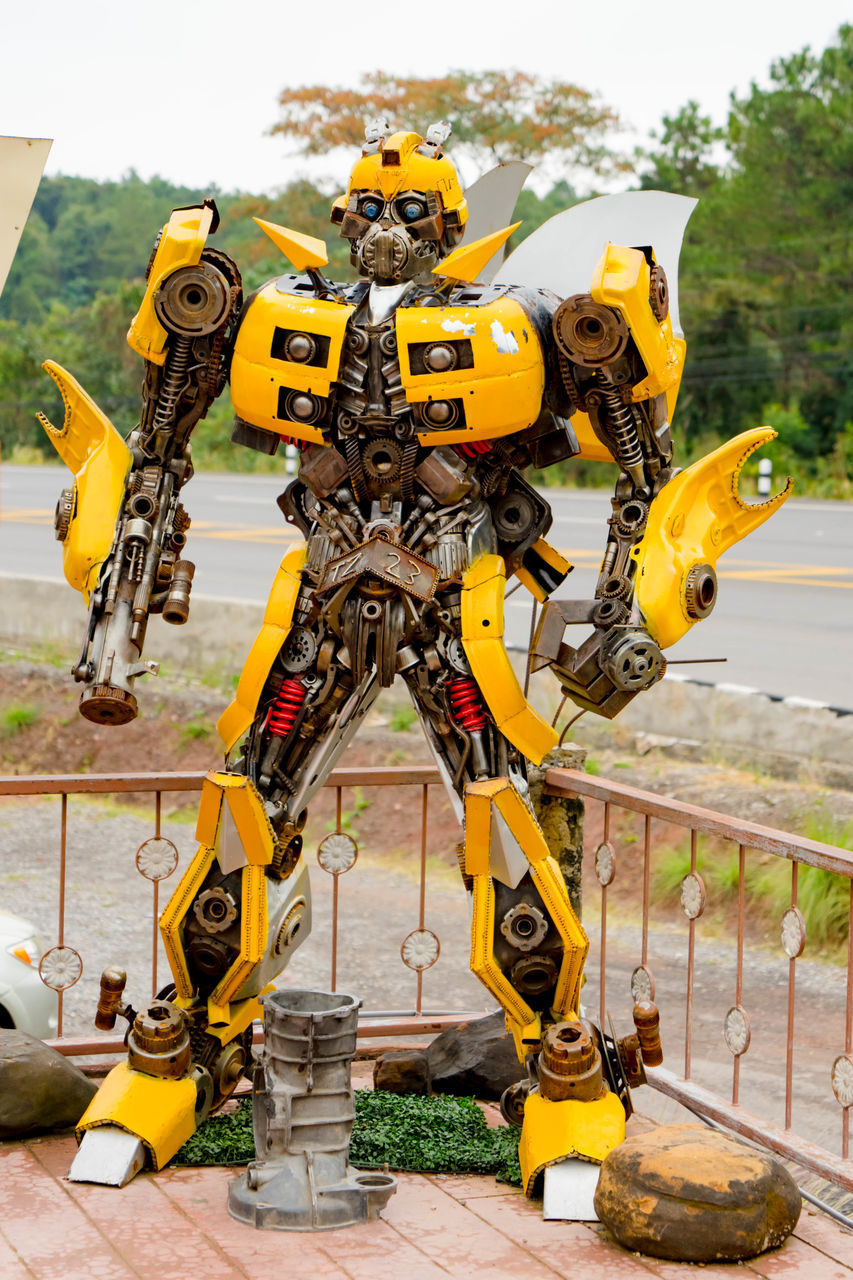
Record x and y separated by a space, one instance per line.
181 243
240 713
261 373
552 1131
695 518
622 280
500 376
483 589
160 1113
411 172
90 446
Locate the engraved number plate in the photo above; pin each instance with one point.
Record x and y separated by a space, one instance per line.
382 559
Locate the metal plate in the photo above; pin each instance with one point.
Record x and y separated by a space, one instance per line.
570 1191
383 560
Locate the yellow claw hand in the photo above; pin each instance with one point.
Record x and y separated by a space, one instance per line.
692 521
90 446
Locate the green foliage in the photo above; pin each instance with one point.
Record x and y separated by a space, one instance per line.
194 730
18 717
402 718
406 1133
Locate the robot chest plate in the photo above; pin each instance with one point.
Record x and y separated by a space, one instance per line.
467 372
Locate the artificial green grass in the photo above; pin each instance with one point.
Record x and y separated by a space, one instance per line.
406 1133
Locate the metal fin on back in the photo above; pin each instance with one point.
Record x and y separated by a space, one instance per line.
491 201
562 254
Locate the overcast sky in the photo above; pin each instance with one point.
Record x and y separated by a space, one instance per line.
187 89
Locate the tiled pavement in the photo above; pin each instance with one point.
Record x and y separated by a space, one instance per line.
174 1225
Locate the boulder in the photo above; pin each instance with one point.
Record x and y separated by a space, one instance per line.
691 1194
39 1088
402 1071
476 1059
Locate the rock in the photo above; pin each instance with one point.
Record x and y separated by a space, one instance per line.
402 1071
39 1088
691 1194
477 1059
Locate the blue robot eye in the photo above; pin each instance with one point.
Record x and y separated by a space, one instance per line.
371 209
412 211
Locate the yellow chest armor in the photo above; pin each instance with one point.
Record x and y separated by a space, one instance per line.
494 389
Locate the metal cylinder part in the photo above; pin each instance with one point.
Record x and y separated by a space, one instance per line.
647 1022
176 608
303 1112
109 1002
569 1064
159 1041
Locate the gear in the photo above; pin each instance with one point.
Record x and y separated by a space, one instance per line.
381 460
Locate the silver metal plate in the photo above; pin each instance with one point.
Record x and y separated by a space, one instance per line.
109 1156
569 1191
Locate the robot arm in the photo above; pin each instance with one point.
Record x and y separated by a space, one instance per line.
620 365
122 524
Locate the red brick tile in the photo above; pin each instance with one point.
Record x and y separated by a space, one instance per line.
799 1260
569 1248
201 1194
471 1186
825 1234
150 1233
455 1237
48 1231
11 1268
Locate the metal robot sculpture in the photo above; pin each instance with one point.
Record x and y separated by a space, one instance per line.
416 397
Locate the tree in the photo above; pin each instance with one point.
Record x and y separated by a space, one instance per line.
682 161
496 116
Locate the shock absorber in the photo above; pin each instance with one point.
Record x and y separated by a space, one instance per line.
626 442
473 449
285 708
467 708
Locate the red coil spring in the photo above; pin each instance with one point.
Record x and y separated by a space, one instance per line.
300 444
473 449
284 710
467 704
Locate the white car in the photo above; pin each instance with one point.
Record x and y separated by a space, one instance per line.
25 1002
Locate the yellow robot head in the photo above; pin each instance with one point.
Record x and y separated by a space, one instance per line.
404 208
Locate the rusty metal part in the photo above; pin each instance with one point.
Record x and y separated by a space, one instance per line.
658 293
215 909
193 301
64 512
589 333
647 1021
284 859
384 560
512 1102
534 975
110 1003
700 591
106 704
633 661
159 1041
569 1065
323 469
381 460
298 651
524 926
632 1060
444 475
176 608
227 1068
467 880
354 465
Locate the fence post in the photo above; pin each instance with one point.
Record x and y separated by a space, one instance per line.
561 817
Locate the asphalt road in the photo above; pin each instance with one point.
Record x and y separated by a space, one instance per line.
783 621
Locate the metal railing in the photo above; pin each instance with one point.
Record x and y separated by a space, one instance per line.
698 1085
61 966
751 841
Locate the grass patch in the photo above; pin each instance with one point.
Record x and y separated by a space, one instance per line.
18 716
402 718
195 730
822 897
407 1133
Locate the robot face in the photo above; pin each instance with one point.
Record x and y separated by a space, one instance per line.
404 209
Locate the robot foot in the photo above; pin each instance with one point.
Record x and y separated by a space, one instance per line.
137 1120
555 1131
